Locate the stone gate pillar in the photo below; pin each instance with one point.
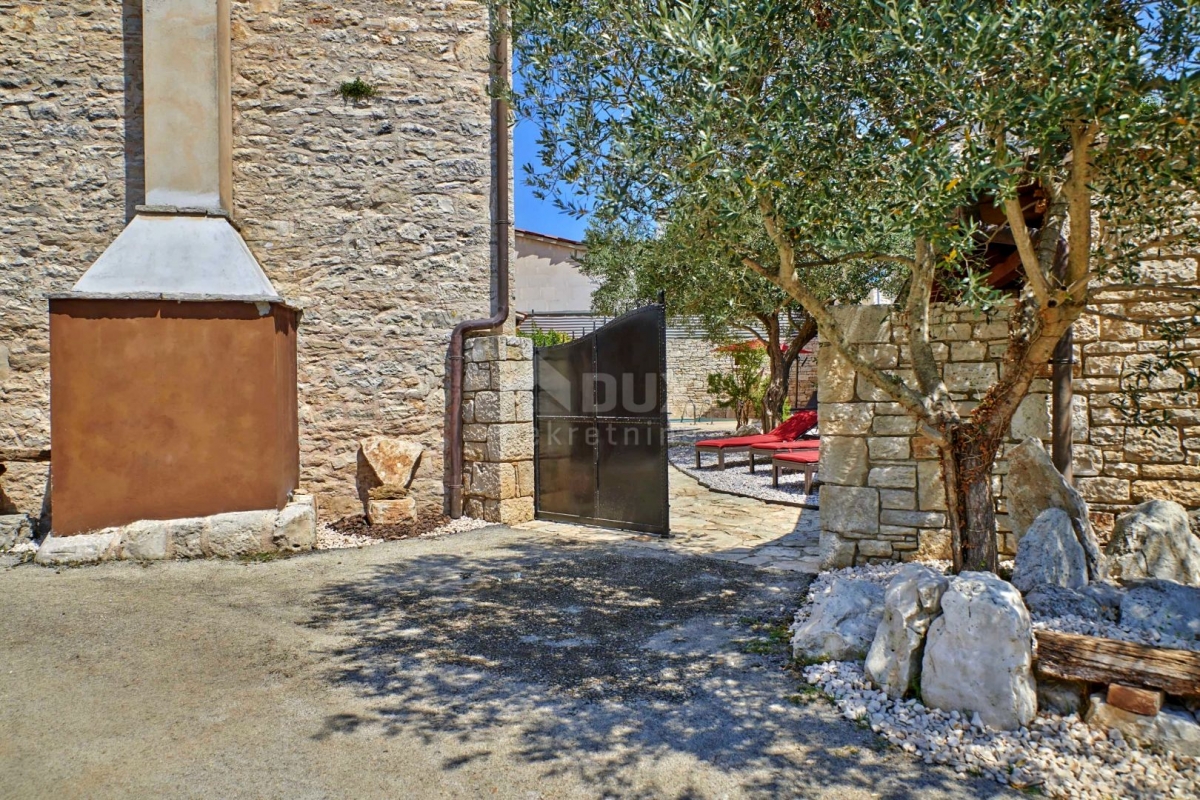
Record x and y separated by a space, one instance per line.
498 429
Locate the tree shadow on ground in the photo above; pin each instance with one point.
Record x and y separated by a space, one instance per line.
594 661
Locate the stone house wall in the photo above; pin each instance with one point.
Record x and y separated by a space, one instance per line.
883 495
374 218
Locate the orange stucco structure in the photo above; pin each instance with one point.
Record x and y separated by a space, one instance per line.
162 409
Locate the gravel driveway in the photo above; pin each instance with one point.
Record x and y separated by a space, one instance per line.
494 663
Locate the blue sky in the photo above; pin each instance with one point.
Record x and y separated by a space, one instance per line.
539 216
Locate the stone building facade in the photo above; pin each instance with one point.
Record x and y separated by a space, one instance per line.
883 495
373 216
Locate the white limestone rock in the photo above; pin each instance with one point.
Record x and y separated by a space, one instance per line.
1172 729
239 533
84 548
148 540
1049 554
1034 485
15 529
1164 606
841 623
979 653
296 526
912 601
1154 540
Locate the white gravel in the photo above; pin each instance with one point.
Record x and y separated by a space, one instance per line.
736 477
1113 630
329 539
1061 755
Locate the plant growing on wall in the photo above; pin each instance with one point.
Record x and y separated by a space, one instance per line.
867 130
743 387
356 91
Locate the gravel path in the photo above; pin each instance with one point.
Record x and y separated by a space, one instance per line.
493 663
736 477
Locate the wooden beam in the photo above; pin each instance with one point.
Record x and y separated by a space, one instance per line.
24 454
1068 656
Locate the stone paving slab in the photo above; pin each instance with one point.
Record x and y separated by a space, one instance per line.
721 526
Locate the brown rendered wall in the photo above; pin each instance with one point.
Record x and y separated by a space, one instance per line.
163 409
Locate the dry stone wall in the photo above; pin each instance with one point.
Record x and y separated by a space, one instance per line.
883 496
372 217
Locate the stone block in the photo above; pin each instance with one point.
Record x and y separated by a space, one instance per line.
391 512
494 481
513 376
87 548
835 376
913 519
968 351
849 509
491 407
866 324
515 510
931 487
889 448
884 356
1104 490
147 540
903 499
486 348
992 330
843 460
523 407
1153 446
969 378
239 533
893 426
836 552
187 537
1186 493
900 476
477 378
296 527
475 433
845 419
510 442
525 478
924 448
875 549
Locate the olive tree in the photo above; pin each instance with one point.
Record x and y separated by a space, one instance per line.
704 283
862 130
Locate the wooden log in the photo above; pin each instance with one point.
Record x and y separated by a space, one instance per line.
23 454
1068 656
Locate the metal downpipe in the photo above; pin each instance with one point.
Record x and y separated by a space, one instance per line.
501 171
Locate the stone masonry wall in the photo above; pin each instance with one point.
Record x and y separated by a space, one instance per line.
689 361
498 429
883 495
372 217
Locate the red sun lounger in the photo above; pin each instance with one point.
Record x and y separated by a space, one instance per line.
790 430
771 448
796 460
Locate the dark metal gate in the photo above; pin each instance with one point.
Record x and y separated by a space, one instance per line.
600 411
